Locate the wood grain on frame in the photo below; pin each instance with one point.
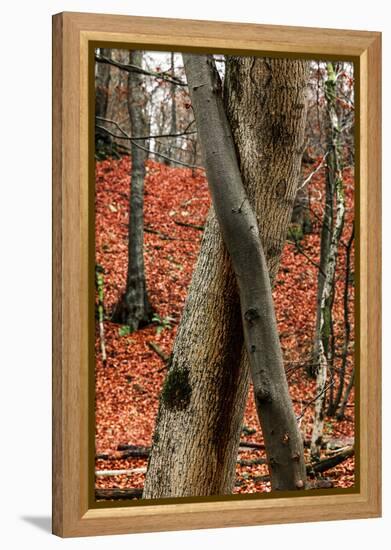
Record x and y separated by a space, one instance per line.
72 33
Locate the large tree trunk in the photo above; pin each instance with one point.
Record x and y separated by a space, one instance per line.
200 415
133 308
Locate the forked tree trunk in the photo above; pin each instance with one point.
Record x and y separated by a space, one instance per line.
239 228
201 410
133 308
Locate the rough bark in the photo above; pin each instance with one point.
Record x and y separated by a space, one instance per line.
133 308
198 426
334 171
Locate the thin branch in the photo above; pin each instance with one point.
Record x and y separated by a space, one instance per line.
160 234
302 251
192 225
164 236
139 138
312 174
324 389
194 166
134 69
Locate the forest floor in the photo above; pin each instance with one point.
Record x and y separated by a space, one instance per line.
129 384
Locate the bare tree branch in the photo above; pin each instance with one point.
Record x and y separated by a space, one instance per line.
310 176
134 69
139 138
128 137
304 253
324 389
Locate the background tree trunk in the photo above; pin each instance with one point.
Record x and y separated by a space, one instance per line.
173 126
133 308
102 81
200 417
334 174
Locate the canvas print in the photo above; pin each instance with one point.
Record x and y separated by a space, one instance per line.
225 357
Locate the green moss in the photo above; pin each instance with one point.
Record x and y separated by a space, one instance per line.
307 224
295 232
176 391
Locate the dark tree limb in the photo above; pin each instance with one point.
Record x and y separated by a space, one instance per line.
164 236
192 225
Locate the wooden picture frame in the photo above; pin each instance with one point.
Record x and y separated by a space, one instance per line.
72 279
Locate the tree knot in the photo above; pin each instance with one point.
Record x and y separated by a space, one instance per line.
263 394
251 315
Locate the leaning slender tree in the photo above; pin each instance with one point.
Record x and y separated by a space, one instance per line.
133 308
203 399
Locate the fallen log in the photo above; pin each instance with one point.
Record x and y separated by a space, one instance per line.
120 455
136 451
109 473
321 465
251 461
192 225
251 445
126 451
118 494
331 462
159 234
154 347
